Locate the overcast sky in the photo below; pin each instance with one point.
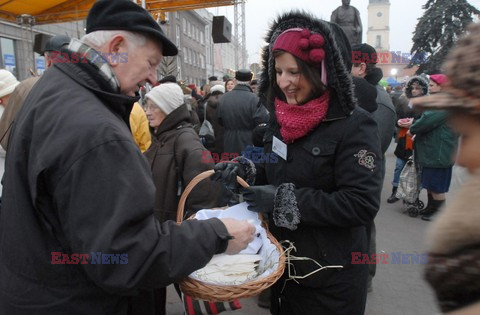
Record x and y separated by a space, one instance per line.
259 14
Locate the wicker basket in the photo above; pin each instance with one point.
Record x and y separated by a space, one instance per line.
223 293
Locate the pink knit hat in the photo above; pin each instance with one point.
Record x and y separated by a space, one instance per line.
304 45
440 79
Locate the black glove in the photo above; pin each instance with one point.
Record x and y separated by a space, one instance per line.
227 172
259 198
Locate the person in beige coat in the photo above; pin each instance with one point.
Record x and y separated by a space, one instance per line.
453 240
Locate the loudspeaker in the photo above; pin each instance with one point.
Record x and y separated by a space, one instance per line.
40 42
221 30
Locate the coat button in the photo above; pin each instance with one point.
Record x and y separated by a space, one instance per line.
316 151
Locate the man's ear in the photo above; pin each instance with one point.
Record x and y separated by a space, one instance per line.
113 48
48 61
363 69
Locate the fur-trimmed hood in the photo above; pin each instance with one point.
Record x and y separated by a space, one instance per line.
457 225
337 59
421 81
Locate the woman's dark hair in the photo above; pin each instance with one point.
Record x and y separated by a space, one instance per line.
311 74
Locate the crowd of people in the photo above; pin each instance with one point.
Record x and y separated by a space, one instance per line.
98 154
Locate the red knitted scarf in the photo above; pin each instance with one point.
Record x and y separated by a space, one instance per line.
297 121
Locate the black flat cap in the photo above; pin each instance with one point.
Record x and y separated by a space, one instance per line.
244 75
125 15
56 43
168 78
213 78
364 53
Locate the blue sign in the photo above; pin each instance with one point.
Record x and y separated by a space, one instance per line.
40 62
9 60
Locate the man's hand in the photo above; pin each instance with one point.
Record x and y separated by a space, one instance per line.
242 233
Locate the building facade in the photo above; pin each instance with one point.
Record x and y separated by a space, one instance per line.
378 33
16 45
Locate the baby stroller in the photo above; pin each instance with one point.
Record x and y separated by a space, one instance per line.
409 188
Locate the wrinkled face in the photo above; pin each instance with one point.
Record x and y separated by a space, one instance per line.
416 89
229 86
434 87
155 115
293 84
468 126
140 67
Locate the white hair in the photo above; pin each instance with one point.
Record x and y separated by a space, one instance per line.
99 38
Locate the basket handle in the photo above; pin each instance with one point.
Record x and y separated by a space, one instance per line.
191 185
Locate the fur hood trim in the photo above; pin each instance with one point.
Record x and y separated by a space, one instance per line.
337 57
420 80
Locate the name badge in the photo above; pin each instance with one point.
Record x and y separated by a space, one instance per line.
279 148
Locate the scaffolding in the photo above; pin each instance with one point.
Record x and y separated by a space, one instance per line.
240 35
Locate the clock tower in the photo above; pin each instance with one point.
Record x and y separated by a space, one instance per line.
378 33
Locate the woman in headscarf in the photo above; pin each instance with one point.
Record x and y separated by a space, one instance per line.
435 146
324 188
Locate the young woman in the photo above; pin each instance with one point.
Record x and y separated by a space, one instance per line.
324 188
229 85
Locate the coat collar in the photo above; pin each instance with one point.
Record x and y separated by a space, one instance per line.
179 117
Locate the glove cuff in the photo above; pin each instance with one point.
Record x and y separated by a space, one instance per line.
248 167
285 208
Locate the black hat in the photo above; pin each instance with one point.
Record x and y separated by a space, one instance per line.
168 78
56 43
109 15
244 75
364 53
213 78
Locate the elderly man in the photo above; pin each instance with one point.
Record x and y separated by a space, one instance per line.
77 227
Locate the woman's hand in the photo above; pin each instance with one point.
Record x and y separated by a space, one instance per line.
227 172
405 122
259 198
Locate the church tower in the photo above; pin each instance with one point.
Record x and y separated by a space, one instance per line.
378 33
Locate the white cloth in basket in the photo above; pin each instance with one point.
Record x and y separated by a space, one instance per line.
260 249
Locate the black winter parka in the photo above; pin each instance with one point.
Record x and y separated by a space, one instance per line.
76 183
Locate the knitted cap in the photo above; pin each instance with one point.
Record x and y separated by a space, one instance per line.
440 79
8 82
126 15
302 44
167 97
218 88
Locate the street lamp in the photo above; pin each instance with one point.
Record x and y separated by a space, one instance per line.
394 72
